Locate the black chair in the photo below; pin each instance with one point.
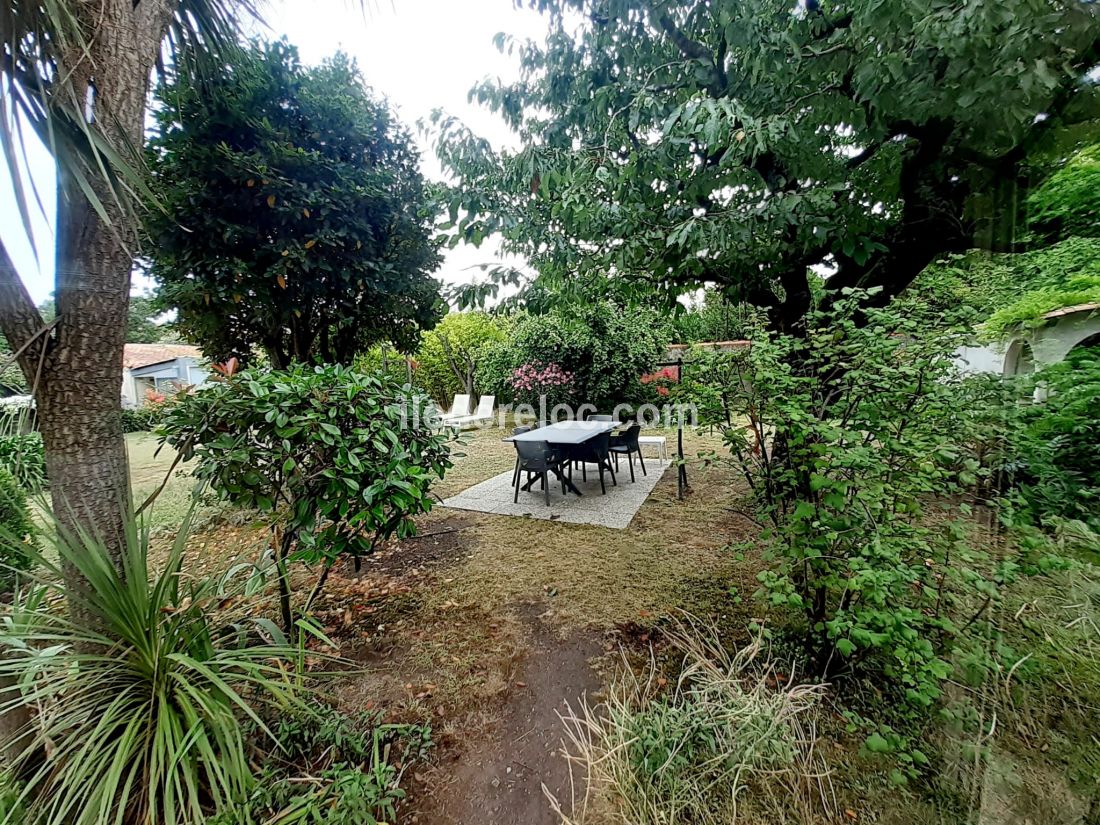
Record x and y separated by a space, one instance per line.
537 460
518 431
596 450
626 443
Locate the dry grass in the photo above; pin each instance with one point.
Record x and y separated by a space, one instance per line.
596 576
727 743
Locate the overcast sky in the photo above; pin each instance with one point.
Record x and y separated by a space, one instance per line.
419 54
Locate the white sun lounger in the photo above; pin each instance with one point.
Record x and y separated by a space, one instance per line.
460 408
484 413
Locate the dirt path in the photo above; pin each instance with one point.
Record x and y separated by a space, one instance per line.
497 778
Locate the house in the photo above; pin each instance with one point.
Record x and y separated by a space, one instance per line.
160 368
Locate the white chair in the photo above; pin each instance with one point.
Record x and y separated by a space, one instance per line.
657 441
460 408
484 413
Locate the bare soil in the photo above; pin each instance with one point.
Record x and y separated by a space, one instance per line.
497 778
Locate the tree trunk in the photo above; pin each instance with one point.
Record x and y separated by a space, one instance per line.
79 393
76 367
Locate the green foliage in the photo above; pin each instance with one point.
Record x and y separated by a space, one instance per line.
24 458
854 432
738 144
138 697
386 362
449 355
350 767
983 283
140 328
16 530
1056 447
12 380
724 743
605 347
305 190
1068 202
335 458
1027 313
141 419
715 319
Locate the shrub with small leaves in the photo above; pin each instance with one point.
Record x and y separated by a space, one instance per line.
850 436
332 769
1058 470
141 419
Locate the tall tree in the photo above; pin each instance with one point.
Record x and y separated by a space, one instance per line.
78 75
676 144
305 190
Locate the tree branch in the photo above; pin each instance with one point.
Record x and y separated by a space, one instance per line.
696 51
20 320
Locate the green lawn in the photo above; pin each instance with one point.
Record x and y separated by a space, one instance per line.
148 469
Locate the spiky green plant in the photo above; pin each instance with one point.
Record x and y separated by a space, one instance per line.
140 708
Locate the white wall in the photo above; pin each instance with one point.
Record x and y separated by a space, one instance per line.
129 392
986 358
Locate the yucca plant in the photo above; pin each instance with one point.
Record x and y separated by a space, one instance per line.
139 710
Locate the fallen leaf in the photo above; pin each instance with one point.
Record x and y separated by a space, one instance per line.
281 280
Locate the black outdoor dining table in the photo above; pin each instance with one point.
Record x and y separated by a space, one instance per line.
566 433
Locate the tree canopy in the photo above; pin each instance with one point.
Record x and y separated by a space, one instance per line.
449 355
675 144
296 219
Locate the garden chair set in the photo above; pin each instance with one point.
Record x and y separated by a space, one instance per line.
555 449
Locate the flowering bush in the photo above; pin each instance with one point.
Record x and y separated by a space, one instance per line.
603 346
662 380
531 381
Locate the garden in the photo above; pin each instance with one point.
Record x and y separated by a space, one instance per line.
767 241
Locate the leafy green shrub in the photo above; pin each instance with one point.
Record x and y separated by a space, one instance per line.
338 460
16 529
139 699
605 347
984 282
141 419
1028 311
716 319
1068 202
1058 471
854 430
24 457
333 769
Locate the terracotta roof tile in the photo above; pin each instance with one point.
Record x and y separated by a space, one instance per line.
142 355
1058 313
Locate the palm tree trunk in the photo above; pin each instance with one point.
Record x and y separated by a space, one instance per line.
75 364
79 396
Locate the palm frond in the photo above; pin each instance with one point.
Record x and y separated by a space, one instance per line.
46 47
141 705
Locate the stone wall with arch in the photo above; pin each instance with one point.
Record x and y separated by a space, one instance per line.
1035 348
